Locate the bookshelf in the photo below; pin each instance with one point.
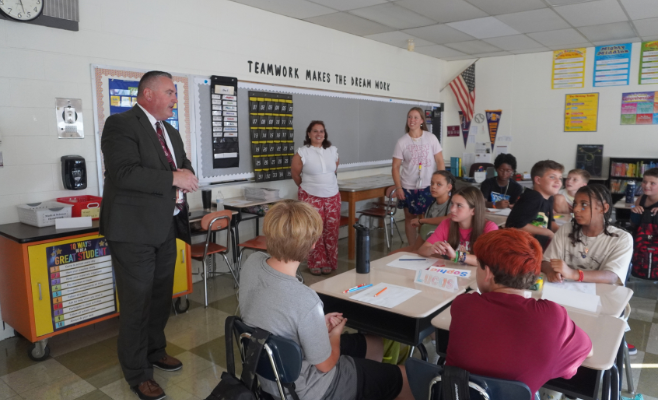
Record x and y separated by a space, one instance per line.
625 169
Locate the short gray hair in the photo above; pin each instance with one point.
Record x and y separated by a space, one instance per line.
148 79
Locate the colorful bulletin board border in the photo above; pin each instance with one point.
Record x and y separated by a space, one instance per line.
648 63
105 103
581 112
569 68
612 65
639 108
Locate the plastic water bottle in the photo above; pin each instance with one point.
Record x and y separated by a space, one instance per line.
630 192
220 201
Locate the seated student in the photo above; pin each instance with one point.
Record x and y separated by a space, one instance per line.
441 187
533 212
335 366
500 333
589 249
649 199
454 237
563 200
502 191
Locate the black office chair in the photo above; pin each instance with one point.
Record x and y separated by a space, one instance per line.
281 361
425 383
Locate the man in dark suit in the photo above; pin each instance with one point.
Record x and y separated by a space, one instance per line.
147 174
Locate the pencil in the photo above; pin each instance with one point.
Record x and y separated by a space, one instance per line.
380 292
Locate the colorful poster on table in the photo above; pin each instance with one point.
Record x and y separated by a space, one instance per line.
453 131
649 63
81 282
640 108
465 125
123 97
612 65
493 120
569 68
581 112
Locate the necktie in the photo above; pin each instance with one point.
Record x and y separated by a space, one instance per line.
165 148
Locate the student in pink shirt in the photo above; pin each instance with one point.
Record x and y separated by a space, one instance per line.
455 236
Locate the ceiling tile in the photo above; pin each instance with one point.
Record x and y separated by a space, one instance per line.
399 39
621 41
439 34
444 10
593 13
493 54
515 42
473 47
556 3
528 51
394 16
496 7
439 51
571 46
350 23
534 21
558 38
292 8
483 28
346 5
641 9
647 27
615 31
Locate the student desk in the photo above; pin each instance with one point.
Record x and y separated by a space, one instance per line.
353 190
55 281
408 322
604 329
622 205
500 220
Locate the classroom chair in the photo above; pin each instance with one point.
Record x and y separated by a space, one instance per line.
425 383
281 360
385 213
213 222
257 244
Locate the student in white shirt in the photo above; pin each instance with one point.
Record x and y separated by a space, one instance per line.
589 249
314 170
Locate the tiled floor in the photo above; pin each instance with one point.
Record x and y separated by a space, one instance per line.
84 365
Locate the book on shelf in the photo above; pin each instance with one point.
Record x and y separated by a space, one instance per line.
631 170
456 166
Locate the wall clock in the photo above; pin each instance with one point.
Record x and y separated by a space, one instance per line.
21 10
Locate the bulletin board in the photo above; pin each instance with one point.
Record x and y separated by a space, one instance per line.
115 91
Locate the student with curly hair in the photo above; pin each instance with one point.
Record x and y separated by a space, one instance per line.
502 191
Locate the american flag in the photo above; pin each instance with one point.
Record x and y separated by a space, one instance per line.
463 86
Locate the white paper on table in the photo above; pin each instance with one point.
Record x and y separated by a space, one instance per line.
392 296
412 265
582 287
571 298
500 211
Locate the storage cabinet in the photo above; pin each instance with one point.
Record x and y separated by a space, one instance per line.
51 282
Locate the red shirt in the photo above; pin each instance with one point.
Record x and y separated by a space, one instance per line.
506 336
443 230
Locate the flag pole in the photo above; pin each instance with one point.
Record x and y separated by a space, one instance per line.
469 65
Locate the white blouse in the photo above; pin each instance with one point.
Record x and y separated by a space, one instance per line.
319 170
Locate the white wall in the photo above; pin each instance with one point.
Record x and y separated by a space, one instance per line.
38 64
533 113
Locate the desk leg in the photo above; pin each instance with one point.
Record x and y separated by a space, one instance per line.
351 232
257 226
235 241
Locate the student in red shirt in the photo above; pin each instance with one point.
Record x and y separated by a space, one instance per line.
500 333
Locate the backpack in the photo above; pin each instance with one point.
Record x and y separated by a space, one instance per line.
645 248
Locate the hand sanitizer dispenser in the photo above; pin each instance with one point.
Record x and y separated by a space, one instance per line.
74 172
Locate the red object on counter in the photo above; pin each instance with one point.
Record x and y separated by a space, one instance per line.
84 206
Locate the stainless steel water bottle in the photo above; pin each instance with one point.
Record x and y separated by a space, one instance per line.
630 192
362 249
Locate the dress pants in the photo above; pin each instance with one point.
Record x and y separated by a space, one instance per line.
145 284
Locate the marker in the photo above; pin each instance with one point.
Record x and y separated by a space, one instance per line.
413 259
380 292
358 288
355 287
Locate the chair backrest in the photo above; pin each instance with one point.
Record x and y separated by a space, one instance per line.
424 384
220 224
476 166
286 354
392 201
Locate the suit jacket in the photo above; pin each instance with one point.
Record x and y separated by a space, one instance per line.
139 197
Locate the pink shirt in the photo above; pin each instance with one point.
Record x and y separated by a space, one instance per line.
505 336
441 234
413 152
